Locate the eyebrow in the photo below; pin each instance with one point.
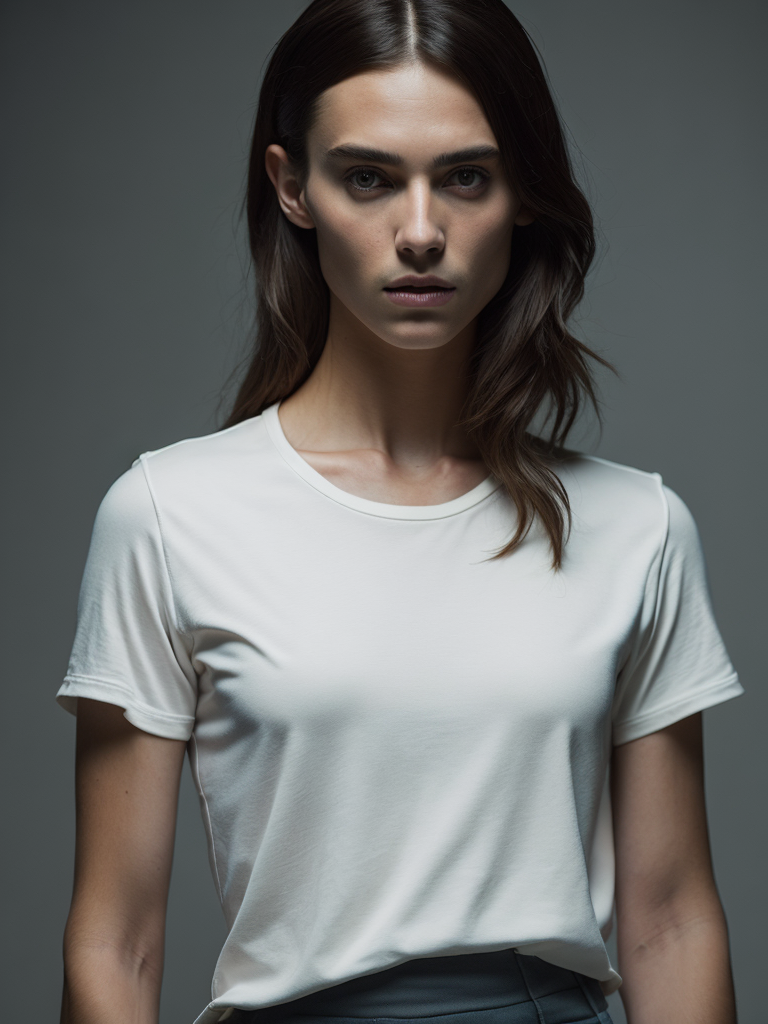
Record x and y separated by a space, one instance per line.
381 156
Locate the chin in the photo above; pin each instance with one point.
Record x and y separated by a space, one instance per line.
417 340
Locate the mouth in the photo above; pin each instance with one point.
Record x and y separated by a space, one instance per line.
420 283
419 295
419 291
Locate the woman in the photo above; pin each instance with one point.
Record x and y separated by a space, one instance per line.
432 671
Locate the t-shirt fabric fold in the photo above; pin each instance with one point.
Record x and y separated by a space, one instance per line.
401 746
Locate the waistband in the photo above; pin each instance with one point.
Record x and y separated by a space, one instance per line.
445 986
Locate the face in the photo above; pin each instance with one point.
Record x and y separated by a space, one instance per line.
432 201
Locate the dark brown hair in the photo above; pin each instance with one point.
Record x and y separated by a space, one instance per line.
524 353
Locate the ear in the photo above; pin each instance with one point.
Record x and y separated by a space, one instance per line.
524 217
289 192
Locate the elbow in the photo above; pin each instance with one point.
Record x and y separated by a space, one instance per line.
652 923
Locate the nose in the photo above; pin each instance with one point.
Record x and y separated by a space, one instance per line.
417 231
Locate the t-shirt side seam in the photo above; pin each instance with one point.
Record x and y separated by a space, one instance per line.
151 712
206 809
166 563
640 719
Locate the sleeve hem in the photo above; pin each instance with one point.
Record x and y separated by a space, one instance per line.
149 719
659 718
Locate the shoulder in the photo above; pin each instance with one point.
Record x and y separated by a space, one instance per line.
181 475
615 499
601 486
197 457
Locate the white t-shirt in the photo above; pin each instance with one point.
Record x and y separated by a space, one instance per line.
401 748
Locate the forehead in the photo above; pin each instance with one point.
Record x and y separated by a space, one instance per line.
413 110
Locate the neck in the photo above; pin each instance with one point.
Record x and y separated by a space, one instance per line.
365 393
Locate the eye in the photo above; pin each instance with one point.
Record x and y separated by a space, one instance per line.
366 177
466 172
364 174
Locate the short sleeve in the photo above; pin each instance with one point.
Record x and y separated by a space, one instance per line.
127 649
677 663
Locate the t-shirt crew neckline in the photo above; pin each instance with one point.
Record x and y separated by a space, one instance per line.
374 508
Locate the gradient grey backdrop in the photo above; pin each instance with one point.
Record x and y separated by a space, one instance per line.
125 130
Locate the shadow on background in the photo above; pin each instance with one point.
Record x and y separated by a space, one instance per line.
126 308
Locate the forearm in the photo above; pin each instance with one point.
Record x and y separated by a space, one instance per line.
106 985
680 973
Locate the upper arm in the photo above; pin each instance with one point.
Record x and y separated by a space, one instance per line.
663 860
126 792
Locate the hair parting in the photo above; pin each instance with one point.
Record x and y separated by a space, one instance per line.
525 357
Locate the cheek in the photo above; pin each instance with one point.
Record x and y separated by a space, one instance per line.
485 244
350 250
355 249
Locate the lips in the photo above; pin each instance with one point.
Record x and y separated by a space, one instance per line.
417 283
420 295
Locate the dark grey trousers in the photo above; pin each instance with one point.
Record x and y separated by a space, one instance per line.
501 987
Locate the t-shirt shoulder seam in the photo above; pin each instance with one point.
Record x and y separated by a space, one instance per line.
191 440
166 562
653 572
619 465
658 558
146 709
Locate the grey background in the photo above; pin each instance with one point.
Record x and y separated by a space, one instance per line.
126 306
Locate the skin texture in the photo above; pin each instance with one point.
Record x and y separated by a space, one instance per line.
377 415
377 418
126 796
672 936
